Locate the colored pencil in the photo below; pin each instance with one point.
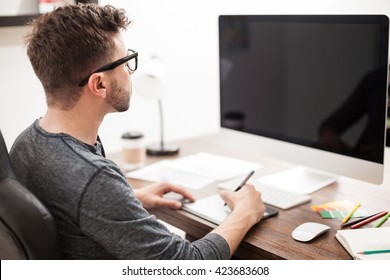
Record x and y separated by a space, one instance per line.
351 213
350 223
369 220
374 252
382 221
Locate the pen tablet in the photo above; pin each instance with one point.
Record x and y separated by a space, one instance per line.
269 212
212 209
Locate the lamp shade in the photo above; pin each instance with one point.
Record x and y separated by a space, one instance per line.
150 79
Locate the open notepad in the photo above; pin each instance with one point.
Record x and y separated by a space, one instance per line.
212 209
365 239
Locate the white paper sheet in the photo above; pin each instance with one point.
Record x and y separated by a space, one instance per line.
163 171
194 171
218 167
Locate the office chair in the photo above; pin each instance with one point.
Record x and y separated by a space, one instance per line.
27 229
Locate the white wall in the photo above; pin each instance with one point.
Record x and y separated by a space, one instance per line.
184 33
18 7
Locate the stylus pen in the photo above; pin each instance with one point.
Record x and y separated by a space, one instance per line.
358 220
369 220
244 181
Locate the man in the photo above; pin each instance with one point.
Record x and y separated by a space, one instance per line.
61 159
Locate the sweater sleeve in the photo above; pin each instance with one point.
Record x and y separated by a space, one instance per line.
111 215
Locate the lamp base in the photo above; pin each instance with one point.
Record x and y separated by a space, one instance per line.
158 150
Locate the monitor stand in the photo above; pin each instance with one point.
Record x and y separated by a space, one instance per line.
299 179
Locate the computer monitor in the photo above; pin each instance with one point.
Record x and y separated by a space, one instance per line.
312 87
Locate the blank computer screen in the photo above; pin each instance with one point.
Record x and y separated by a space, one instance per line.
318 81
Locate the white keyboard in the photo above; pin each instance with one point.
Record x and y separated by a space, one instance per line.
280 198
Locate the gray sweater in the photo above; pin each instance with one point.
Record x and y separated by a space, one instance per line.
95 209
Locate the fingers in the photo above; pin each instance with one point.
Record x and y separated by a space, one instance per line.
168 187
245 195
173 204
226 196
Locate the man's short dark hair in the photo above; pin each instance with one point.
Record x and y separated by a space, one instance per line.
67 44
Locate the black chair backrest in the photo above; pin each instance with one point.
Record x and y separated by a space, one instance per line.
27 229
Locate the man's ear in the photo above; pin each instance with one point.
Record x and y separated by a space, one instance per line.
97 84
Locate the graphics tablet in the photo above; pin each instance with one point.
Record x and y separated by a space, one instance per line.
212 209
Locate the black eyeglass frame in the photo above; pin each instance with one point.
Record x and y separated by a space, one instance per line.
113 65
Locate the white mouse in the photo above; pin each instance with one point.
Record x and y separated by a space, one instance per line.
308 231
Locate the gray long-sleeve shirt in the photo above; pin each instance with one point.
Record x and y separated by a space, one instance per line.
95 209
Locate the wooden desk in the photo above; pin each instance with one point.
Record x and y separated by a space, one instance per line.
271 238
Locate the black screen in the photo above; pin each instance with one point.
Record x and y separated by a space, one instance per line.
318 81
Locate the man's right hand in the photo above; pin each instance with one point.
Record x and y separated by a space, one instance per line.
247 210
247 201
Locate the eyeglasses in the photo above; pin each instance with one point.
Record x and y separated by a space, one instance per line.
131 61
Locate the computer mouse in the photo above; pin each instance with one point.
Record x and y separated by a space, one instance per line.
308 231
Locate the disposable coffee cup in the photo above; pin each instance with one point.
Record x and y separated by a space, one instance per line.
133 150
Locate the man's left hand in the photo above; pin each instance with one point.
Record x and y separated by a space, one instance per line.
151 196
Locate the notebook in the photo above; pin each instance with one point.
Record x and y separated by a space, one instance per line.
212 209
365 239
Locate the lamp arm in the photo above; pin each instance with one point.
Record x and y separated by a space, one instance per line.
161 149
161 123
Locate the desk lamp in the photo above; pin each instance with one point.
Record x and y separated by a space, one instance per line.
150 82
